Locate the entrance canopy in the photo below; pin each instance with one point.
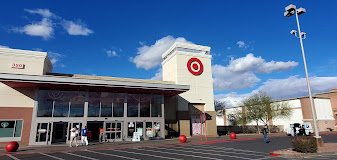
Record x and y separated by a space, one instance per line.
70 81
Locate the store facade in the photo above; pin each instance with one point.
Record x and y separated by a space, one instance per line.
40 107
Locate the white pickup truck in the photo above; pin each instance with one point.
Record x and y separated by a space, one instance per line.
307 126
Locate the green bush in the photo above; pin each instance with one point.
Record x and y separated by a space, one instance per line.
304 144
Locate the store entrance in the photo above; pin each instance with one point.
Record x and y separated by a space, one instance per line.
113 131
59 132
93 128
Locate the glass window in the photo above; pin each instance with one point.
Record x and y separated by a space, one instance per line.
18 128
106 104
119 126
156 128
149 130
94 104
156 103
45 103
7 128
133 100
118 104
131 129
61 104
77 104
145 100
139 127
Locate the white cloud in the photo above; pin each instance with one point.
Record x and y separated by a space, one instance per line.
291 87
242 44
226 79
46 27
76 28
55 57
228 48
1 46
259 65
295 86
231 99
43 29
150 56
159 75
239 74
142 42
43 12
111 53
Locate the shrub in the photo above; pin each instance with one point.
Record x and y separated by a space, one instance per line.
304 144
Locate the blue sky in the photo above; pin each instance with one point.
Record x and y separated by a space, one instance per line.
250 41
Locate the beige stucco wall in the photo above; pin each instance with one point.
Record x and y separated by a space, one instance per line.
35 63
16 97
201 86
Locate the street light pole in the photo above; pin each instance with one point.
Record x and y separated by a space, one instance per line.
289 13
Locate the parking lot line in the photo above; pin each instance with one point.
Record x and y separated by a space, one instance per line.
51 156
221 155
222 151
80 156
11 156
237 149
176 154
144 154
113 155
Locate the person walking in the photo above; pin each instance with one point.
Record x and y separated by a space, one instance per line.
100 131
73 136
264 132
84 136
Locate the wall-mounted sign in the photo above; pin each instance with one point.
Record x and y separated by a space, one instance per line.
195 66
41 130
18 65
4 124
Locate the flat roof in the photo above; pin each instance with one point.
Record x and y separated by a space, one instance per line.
92 82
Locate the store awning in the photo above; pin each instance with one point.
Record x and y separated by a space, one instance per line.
117 84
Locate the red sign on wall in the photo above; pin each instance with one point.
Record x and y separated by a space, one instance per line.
18 65
195 66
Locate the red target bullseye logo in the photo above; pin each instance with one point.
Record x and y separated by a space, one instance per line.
195 66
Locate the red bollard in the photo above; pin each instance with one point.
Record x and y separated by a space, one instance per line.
232 135
12 146
182 138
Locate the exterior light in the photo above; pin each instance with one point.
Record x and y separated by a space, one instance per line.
301 11
291 10
291 7
294 32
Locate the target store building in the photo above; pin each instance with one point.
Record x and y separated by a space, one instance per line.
39 107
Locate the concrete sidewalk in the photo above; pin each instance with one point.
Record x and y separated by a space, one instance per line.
130 144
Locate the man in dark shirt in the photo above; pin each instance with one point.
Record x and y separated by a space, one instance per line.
264 132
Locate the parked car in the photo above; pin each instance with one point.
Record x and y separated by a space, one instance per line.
307 126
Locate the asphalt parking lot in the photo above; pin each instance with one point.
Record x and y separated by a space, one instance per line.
243 150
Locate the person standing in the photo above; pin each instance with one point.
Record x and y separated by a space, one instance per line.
73 136
100 131
264 132
295 131
304 130
84 136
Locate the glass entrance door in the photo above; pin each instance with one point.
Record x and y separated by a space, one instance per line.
59 132
43 133
136 127
113 131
